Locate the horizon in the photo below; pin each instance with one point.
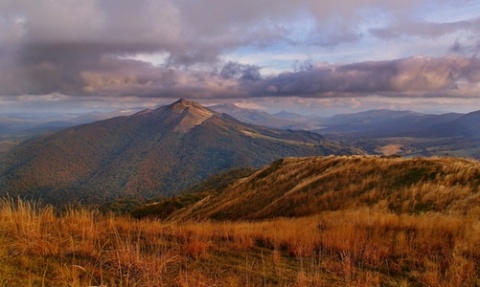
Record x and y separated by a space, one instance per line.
307 57
53 114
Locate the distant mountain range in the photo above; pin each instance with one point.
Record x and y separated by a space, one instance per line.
383 131
368 124
281 120
467 126
408 133
150 153
372 123
384 123
17 125
376 131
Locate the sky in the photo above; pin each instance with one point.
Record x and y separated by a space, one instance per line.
317 57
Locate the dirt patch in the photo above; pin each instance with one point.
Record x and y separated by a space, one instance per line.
390 149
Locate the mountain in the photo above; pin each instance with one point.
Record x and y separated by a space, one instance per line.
15 125
370 116
467 126
407 133
9 124
280 120
151 153
382 123
252 116
289 115
294 187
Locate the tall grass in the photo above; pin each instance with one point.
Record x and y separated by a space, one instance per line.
357 247
296 187
79 248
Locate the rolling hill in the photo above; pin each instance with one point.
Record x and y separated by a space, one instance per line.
151 153
294 187
314 221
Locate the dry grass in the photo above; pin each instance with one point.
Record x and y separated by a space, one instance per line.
355 247
296 187
353 221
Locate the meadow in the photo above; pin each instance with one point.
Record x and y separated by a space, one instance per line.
361 246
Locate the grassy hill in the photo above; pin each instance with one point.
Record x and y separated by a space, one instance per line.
293 187
317 221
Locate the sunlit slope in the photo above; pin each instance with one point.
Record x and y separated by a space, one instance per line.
293 187
151 153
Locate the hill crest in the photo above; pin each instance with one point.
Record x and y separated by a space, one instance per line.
295 187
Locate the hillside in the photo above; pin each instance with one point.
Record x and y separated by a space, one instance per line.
295 187
368 221
151 153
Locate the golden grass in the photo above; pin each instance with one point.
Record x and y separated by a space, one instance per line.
355 247
294 187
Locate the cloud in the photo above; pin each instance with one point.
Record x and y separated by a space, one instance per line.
81 48
190 31
425 29
233 70
415 76
409 77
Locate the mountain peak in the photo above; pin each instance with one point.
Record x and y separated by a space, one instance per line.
146 154
193 114
186 103
183 101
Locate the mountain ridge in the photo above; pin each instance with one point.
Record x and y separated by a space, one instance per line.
147 154
296 187
467 125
